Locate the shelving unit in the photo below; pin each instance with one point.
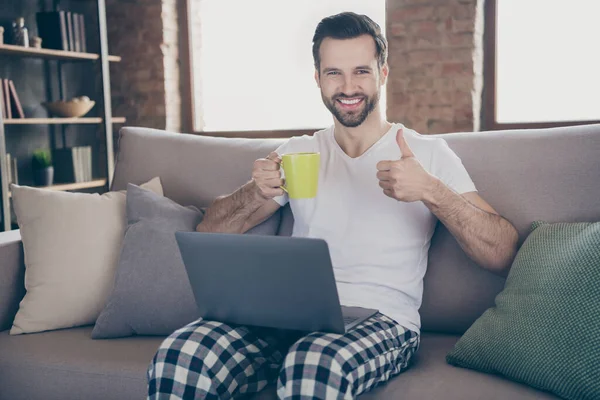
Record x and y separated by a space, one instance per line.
51 54
73 186
60 121
106 120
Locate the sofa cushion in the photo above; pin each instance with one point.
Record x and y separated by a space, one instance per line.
151 295
71 243
68 365
545 327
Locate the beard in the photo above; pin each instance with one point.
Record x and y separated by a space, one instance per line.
351 119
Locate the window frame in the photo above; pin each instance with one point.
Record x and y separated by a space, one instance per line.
489 115
187 88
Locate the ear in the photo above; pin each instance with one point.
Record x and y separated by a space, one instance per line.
317 79
385 70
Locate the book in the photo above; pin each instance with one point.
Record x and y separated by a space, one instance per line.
7 106
52 28
73 164
16 103
70 31
82 33
11 169
2 106
76 32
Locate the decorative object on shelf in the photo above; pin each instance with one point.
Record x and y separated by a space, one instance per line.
20 33
74 108
43 171
36 42
1 35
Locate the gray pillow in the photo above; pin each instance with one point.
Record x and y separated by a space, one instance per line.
151 295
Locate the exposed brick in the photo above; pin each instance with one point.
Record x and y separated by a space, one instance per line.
145 85
434 63
463 25
413 13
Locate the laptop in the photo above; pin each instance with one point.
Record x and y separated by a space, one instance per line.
267 281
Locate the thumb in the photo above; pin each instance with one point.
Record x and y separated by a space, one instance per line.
405 150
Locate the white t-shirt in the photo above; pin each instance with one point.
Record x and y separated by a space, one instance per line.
378 245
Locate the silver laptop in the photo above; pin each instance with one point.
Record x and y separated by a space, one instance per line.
267 281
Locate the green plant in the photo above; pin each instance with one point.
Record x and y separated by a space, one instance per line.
41 159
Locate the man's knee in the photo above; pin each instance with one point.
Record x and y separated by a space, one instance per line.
314 366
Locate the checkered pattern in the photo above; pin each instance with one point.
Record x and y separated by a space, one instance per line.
212 360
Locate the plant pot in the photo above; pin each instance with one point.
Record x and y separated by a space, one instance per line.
44 176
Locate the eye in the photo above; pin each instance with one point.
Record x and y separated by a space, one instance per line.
333 73
363 71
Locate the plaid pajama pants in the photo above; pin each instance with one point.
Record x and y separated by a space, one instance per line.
212 360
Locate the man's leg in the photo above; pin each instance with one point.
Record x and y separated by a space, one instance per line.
332 366
212 360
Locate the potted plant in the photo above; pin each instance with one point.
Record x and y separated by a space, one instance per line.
43 171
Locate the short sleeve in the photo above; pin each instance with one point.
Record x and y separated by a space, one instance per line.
448 167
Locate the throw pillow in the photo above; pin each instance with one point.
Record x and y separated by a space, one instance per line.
544 329
151 295
71 243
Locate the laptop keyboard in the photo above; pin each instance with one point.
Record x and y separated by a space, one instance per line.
349 320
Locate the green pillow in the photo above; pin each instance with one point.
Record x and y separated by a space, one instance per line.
544 330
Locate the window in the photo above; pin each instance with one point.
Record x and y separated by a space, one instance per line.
252 66
546 63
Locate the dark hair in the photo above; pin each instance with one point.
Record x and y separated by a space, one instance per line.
348 25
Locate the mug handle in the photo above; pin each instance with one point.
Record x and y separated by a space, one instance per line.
283 186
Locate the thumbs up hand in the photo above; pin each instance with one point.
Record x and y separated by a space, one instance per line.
405 179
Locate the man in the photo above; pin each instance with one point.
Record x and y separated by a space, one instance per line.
382 188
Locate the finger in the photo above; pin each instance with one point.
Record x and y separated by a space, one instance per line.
384 175
274 192
388 192
263 174
385 185
405 150
267 165
274 183
273 156
384 165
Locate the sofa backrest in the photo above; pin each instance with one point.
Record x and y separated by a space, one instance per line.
526 175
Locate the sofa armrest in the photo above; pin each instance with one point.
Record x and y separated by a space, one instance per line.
12 276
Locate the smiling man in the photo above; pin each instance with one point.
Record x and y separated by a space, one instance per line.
382 189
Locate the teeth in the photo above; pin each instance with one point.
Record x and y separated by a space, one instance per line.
349 101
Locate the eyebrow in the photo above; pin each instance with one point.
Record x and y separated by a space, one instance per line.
337 69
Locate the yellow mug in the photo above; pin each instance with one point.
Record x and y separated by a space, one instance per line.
301 172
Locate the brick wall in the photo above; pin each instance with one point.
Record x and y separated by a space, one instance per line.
145 84
435 64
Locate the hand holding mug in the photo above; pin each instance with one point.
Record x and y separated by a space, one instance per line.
266 175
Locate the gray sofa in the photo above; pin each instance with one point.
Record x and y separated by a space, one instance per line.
547 174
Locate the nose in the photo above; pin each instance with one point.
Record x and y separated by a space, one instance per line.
349 85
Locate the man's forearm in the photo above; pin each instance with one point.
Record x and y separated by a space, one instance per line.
228 214
487 238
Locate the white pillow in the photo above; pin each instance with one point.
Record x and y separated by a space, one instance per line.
72 243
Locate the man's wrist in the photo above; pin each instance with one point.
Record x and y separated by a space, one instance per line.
435 193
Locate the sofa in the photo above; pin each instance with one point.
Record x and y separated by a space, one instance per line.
526 175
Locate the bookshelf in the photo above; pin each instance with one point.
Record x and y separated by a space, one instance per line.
73 186
20 51
98 61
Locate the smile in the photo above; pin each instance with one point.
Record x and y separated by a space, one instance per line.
348 104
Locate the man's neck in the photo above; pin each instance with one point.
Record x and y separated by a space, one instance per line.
355 141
